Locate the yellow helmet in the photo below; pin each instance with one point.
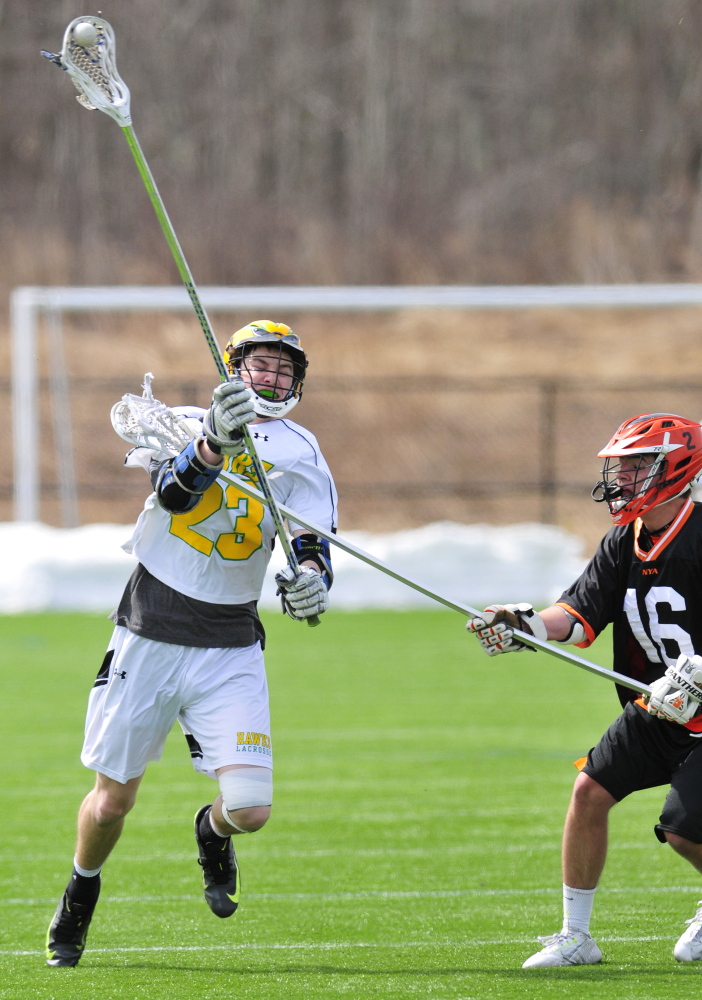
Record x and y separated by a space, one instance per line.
265 331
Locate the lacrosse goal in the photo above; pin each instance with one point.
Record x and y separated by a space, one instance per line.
39 316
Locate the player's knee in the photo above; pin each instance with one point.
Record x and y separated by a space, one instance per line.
111 800
108 807
589 796
677 842
687 848
249 820
247 794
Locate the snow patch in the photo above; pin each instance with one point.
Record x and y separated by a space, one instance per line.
85 569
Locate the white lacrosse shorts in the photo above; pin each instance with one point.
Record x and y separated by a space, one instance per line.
219 696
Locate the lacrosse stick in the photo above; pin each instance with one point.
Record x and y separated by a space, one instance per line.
464 609
148 423
143 430
88 56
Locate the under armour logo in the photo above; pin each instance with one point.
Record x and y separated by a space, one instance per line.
121 673
264 437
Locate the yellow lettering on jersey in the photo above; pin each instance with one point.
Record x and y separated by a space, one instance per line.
183 525
240 738
247 536
256 739
248 738
236 545
241 465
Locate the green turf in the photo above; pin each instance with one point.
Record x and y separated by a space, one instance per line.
413 849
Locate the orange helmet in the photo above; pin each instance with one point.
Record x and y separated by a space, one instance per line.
668 455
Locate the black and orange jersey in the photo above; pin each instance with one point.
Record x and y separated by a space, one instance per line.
649 587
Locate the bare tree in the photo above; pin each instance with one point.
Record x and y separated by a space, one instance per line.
363 141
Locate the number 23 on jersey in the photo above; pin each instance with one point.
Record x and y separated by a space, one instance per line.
247 516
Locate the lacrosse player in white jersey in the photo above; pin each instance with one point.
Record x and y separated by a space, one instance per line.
187 643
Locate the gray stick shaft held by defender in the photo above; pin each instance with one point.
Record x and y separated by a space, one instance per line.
464 609
147 423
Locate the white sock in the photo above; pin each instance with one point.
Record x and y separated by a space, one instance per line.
577 909
86 873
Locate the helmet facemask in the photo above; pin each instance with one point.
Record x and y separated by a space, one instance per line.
631 485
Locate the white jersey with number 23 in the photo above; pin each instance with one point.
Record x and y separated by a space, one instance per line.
218 552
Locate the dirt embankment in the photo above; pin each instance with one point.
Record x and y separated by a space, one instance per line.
446 415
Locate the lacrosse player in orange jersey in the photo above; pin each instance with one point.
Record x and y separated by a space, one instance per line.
188 641
646 580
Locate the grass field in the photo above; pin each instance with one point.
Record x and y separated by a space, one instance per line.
414 844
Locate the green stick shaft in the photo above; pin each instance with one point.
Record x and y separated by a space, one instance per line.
189 282
178 255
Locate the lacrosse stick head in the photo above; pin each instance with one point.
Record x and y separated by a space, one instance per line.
145 422
88 56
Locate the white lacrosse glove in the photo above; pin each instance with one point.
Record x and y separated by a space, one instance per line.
232 408
676 696
495 627
303 595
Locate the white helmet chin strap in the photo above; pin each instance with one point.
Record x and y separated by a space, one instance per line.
264 403
273 408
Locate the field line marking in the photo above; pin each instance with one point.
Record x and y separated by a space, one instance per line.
368 894
331 945
261 854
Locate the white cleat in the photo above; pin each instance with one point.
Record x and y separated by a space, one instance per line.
689 946
576 948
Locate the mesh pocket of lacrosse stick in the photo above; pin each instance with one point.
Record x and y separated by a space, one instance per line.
146 422
93 68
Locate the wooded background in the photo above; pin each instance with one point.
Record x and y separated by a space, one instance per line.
374 141
361 141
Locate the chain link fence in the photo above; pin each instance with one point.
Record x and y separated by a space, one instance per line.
404 450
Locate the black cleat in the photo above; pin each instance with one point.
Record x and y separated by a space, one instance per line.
220 872
68 930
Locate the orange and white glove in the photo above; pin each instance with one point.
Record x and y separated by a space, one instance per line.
495 627
676 696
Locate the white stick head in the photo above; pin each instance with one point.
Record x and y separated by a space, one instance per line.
88 56
145 422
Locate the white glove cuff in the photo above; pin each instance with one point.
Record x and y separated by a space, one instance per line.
526 615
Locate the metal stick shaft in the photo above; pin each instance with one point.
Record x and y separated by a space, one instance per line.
189 282
174 245
464 609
